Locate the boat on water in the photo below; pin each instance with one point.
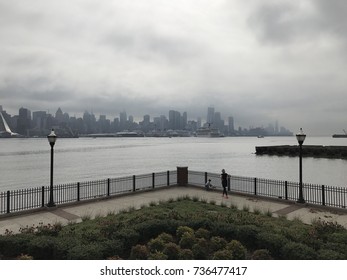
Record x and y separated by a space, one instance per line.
341 135
208 132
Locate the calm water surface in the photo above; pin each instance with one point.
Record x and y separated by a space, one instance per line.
25 162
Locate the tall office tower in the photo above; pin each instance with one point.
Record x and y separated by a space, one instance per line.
123 120
184 120
39 120
24 121
59 116
174 119
210 115
0 108
231 127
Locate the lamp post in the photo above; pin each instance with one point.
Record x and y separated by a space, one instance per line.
51 139
301 138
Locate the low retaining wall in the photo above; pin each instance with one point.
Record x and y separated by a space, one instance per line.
339 152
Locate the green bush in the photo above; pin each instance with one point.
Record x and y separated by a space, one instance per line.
152 228
181 230
42 248
272 242
326 254
217 243
156 244
186 254
298 251
187 240
14 245
247 235
157 256
90 251
139 252
202 233
172 251
238 250
223 255
201 249
261 254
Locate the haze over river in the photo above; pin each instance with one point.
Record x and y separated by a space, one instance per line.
25 163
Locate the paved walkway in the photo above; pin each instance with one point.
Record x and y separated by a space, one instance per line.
76 212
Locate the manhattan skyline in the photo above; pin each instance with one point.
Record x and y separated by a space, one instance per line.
256 60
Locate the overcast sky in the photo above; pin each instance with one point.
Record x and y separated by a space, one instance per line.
258 61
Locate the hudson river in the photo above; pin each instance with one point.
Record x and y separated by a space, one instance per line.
25 163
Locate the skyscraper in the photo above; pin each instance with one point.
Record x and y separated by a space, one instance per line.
210 115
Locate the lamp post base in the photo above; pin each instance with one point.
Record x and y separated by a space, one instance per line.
51 204
301 200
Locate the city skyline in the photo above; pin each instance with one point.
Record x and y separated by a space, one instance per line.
260 60
33 123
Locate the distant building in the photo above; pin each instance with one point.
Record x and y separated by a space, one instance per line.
24 121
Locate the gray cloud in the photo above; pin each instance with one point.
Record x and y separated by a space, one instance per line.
259 61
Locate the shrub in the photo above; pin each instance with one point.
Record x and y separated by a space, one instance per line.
218 243
139 252
187 240
261 254
128 237
183 229
90 251
202 233
298 251
42 248
166 237
247 235
225 230
15 245
24 257
172 251
201 249
273 242
152 228
223 255
156 244
237 249
186 254
157 256
326 254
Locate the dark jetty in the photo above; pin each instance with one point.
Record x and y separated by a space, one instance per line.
339 152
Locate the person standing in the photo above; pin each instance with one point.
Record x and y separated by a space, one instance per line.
224 178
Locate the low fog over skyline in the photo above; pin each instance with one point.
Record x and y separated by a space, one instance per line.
258 61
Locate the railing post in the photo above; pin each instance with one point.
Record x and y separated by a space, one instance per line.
205 177
168 178
255 186
153 180
8 201
286 190
78 191
108 186
323 195
134 183
43 196
229 184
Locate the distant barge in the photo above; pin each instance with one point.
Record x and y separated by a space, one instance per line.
338 152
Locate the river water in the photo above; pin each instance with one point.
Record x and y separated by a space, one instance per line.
25 163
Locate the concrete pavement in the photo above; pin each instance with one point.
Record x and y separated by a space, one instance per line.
77 212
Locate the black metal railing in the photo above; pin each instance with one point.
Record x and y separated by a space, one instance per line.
26 199
19 200
313 193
